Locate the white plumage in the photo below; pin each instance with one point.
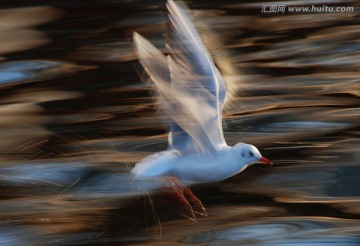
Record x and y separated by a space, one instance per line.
191 92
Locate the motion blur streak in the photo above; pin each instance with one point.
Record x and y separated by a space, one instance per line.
75 117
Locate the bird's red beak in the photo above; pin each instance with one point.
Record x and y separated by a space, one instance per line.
265 161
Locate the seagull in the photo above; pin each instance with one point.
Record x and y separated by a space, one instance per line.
190 92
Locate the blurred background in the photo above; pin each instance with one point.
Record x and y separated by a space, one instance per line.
76 115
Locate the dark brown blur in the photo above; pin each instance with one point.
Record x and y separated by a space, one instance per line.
76 115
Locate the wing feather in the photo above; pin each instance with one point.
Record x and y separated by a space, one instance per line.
193 73
190 89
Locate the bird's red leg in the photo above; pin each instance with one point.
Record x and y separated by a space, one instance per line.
184 194
178 191
199 207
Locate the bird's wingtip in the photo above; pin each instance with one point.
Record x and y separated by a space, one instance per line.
137 36
139 41
176 7
170 2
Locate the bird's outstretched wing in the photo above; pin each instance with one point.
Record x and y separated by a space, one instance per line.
189 87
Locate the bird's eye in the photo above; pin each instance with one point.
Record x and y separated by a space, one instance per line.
242 154
251 154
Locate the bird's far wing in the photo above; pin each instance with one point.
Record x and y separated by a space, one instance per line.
196 81
154 63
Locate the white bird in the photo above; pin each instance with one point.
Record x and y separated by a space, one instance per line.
191 93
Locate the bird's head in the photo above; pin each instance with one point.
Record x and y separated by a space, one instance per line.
249 154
